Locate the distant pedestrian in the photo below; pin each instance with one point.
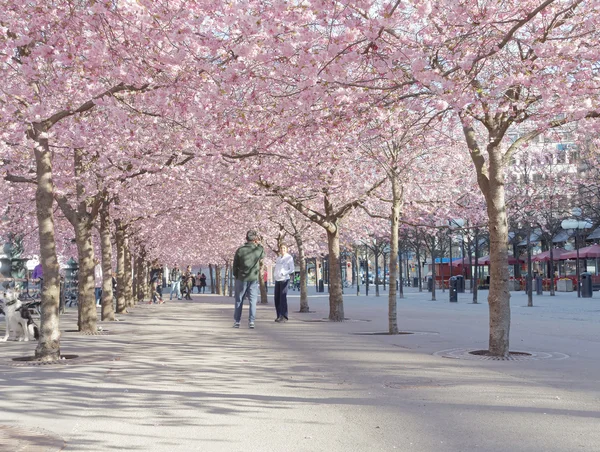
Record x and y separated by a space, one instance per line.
202 283
187 282
197 281
155 281
246 265
175 282
284 267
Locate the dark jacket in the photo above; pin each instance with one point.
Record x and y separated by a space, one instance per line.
246 261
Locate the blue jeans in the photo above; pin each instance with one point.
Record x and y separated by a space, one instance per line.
175 288
244 289
98 294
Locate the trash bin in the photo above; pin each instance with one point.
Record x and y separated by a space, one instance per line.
321 286
429 284
415 281
453 289
539 288
586 285
460 283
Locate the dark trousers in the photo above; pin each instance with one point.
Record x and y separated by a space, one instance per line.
281 290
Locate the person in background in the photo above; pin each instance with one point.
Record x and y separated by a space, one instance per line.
284 267
246 264
187 282
175 282
198 282
98 281
38 274
202 283
155 280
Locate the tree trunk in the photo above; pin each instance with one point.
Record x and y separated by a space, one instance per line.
475 276
212 279
48 348
108 311
433 270
499 296
336 300
218 279
226 278
303 279
262 286
376 253
120 241
140 280
129 301
86 303
393 265
419 269
135 282
230 279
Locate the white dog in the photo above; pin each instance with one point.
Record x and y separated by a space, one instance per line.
18 318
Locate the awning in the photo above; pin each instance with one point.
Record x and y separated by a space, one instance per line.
534 237
545 256
562 236
589 252
594 235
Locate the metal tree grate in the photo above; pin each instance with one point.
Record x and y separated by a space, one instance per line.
482 355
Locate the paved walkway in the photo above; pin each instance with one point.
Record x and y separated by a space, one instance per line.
177 377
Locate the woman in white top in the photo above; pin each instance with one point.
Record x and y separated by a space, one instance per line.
284 267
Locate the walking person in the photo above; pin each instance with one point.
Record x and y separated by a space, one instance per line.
202 285
188 283
284 267
246 264
175 282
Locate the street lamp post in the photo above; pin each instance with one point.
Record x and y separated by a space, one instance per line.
576 225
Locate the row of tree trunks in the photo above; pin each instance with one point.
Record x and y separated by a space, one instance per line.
107 310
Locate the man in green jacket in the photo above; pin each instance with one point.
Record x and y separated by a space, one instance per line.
246 264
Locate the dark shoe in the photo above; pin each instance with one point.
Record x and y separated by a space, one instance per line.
278 319
236 324
283 319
